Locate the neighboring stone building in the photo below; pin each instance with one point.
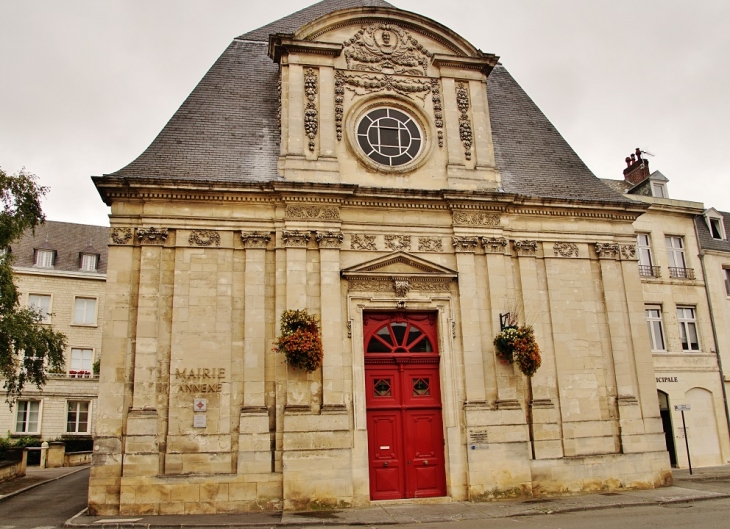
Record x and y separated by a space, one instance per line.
678 315
62 271
373 167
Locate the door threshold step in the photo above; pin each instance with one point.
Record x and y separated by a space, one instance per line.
414 501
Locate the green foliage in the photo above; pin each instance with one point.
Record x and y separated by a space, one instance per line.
300 340
518 344
27 348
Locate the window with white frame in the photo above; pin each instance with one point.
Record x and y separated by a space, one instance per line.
715 223
41 303
726 271
643 244
85 311
656 330
88 262
77 416
675 252
658 190
27 416
82 362
688 329
44 258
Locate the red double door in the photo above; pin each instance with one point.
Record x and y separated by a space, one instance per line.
403 399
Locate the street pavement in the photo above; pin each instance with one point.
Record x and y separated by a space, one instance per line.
690 496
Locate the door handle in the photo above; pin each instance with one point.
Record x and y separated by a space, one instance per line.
385 464
425 463
409 462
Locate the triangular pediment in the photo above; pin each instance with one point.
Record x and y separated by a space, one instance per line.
398 264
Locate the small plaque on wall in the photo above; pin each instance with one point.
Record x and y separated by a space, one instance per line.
199 421
200 404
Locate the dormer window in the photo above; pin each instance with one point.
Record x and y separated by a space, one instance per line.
715 223
89 262
44 258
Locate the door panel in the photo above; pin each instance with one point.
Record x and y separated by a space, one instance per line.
425 453
384 440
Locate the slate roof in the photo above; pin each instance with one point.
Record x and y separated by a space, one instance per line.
68 240
227 129
705 237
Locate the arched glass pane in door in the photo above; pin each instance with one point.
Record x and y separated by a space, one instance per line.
399 337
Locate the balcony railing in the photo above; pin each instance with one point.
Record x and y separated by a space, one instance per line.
649 271
74 374
682 273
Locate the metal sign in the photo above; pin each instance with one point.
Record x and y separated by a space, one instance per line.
682 407
199 421
200 404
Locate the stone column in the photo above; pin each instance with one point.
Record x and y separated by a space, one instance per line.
295 121
141 443
471 331
331 318
483 146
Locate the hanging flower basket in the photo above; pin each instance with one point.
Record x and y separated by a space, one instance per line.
300 340
518 345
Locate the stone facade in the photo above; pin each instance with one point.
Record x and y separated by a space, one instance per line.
197 413
62 283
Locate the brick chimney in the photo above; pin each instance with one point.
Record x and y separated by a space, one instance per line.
637 168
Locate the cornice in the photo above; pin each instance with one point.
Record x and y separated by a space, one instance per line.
281 44
48 272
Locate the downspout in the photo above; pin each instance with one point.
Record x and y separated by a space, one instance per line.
714 332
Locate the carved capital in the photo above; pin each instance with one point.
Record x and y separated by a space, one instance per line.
152 235
204 238
494 244
398 242
313 212
465 244
362 242
565 249
328 239
255 239
607 250
526 248
295 239
475 218
121 235
430 244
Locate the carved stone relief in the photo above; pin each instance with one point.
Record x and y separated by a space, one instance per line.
628 251
475 218
204 238
462 101
526 248
368 84
606 250
313 212
565 249
295 239
362 242
437 110
430 244
401 287
386 48
398 242
152 235
328 239
255 239
121 235
311 119
494 244
406 285
465 244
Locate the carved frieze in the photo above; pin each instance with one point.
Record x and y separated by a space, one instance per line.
386 48
475 218
398 242
362 242
121 235
313 212
328 239
465 244
362 84
607 250
494 244
565 249
152 235
430 244
255 239
311 118
526 248
462 102
295 239
628 251
399 286
204 238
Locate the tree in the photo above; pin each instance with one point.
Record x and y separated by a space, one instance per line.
27 348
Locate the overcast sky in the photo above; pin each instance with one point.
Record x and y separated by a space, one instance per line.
87 85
